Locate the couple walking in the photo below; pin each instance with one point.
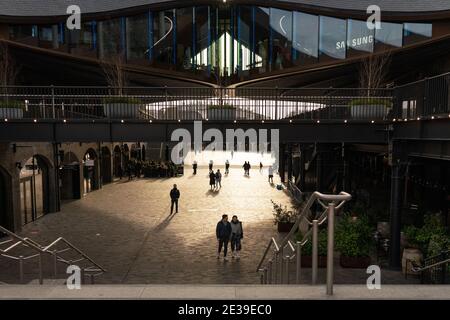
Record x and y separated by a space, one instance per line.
226 232
215 179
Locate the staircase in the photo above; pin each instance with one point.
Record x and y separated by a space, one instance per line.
27 251
275 263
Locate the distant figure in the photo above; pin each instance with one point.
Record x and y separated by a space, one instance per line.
212 179
245 167
194 167
211 163
223 233
218 179
227 167
237 233
174 196
248 168
271 174
120 172
261 167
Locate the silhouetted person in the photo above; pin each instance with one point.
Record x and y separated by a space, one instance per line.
212 179
174 196
237 233
271 174
218 179
261 167
194 167
211 163
120 171
223 233
227 167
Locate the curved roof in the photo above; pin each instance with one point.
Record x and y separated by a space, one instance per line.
30 8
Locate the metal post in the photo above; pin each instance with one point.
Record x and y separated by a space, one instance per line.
270 271
55 263
261 277
265 275
330 253
53 102
299 263
287 269
21 269
41 275
281 269
315 251
275 269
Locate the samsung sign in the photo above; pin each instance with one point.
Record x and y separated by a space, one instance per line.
355 42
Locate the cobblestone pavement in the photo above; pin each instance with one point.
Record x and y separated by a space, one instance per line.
126 228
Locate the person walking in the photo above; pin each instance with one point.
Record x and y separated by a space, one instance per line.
261 167
194 167
237 234
271 174
223 233
174 196
227 167
248 168
211 164
212 179
245 168
218 179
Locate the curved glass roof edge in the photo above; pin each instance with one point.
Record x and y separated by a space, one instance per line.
224 44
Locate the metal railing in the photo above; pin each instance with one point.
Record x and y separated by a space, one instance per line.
92 270
214 104
272 271
435 270
427 98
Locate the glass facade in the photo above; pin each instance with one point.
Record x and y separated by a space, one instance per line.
224 43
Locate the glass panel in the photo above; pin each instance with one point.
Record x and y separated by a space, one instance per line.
416 32
23 33
163 33
360 39
389 36
202 39
184 38
111 37
137 39
46 33
82 41
306 38
333 36
262 35
281 28
244 30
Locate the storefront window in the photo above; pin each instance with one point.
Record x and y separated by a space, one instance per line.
111 38
360 39
306 39
244 35
333 36
184 38
22 32
163 36
202 48
281 30
416 32
262 38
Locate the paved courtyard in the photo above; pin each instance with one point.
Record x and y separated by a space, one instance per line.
126 228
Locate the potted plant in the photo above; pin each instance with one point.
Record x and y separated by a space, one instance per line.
122 107
369 108
353 241
221 112
307 249
11 109
283 218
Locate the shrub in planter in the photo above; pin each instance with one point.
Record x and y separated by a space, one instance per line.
11 109
354 241
369 108
284 218
122 107
307 249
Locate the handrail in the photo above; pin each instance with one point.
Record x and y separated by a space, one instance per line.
421 269
277 249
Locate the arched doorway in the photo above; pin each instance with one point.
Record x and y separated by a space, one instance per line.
69 174
90 172
105 167
34 189
6 213
118 166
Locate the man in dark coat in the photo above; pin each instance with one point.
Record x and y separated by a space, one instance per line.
174 196
223 233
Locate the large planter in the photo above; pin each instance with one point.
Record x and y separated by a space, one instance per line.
285 226
307 261
411 254
11 113
368 112
354 262
122 110
222 114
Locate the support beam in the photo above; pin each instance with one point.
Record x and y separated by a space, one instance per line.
396 215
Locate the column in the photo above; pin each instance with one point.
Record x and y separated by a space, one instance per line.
395 215
281 169
101 48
